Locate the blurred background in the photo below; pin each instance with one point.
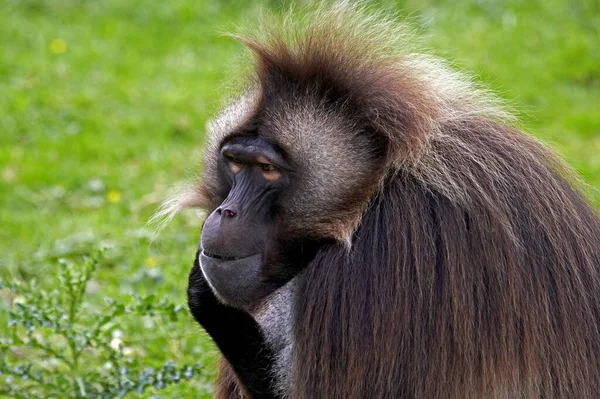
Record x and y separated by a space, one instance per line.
103 106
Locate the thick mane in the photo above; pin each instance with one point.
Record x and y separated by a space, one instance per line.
496 299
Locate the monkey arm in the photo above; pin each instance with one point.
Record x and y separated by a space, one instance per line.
237 335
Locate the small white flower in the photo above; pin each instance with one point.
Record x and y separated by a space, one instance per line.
18 299
116 343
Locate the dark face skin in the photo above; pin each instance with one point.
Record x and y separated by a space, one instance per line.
239 247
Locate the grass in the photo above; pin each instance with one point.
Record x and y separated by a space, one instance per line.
103 106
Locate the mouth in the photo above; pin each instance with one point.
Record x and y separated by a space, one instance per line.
232 279
222 257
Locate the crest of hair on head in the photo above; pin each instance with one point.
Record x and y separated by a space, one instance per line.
350 31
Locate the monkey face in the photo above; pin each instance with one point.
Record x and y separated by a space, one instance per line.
281 183
239 242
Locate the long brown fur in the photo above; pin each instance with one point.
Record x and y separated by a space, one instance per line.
468 265
228 386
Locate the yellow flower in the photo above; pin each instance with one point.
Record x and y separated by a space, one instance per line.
114 196
58 46
151 261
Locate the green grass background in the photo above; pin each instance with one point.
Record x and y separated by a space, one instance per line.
103 106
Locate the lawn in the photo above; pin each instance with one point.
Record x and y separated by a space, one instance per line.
103 106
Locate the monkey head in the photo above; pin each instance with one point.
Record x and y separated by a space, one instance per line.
293 163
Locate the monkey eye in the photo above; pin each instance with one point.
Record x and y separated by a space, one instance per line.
269 172
267 167
236 161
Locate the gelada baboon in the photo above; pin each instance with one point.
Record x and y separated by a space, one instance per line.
377 229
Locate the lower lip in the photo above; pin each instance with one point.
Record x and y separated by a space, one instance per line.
230 279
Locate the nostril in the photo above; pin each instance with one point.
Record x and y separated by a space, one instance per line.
225 212
228 213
